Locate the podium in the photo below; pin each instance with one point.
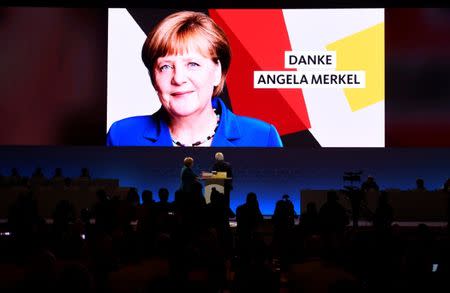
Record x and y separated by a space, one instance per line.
214 180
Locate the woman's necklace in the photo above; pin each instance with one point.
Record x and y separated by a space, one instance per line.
200 142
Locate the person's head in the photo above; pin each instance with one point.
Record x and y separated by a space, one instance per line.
58 171
163 194
147 196
84 172
188 162
215 195
38 171
420 183
133 196
188 56
447 185
219 156
251 198
14 172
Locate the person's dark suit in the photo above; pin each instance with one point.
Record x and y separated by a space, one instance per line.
188 179
223 166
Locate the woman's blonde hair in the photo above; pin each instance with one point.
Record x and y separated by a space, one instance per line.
188 161
183 31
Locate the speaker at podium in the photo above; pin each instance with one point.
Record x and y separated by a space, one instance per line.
214 179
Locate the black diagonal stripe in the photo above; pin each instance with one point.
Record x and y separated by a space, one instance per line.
300 139
147 18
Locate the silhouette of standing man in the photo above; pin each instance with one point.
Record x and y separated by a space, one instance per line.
220 165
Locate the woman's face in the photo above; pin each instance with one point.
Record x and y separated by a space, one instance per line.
185 83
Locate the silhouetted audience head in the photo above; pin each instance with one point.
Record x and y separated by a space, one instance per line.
147 196
447 185
370 184
420 184
179 196
133 196
85 173
163 194
332 214
423 231
252 199
15 178
215 195
38 172
15 172
58 172
309 220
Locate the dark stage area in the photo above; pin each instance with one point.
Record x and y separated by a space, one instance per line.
269 173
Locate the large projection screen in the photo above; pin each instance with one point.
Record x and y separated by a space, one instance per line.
317 75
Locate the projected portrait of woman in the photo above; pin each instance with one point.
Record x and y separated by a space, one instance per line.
188 56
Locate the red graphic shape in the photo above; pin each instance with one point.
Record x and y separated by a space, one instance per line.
258 40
